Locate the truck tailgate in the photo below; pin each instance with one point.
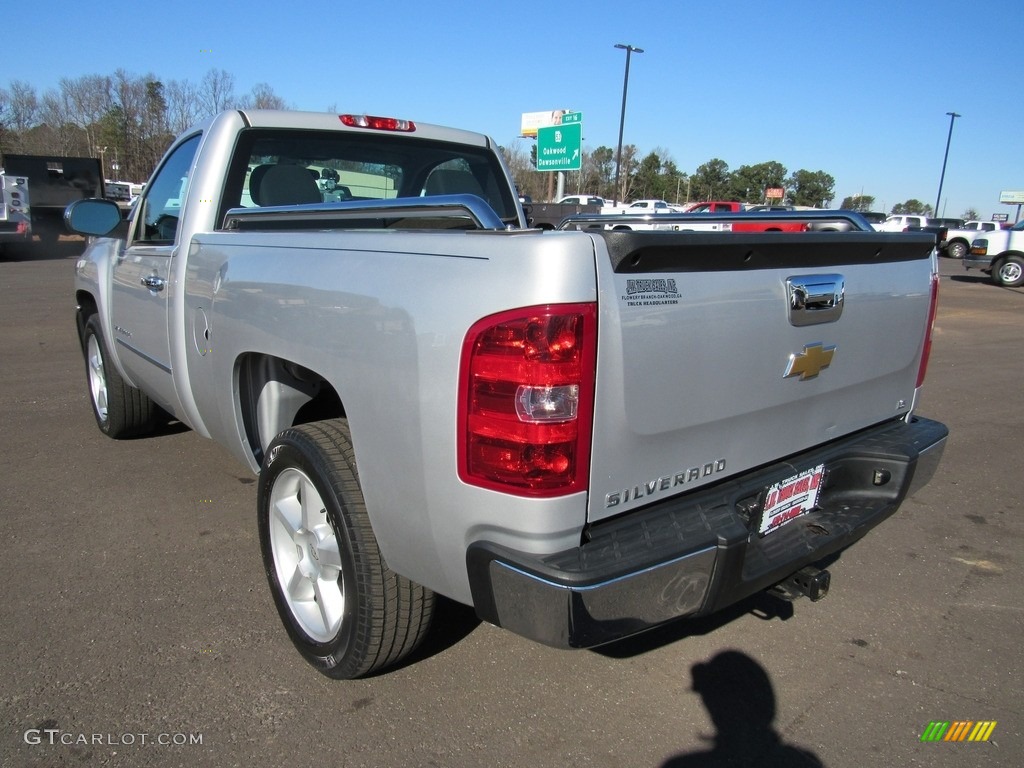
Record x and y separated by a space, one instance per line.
718 354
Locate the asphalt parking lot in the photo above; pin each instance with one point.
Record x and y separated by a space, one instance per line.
137 627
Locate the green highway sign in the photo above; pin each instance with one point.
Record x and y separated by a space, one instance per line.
558 147
572 117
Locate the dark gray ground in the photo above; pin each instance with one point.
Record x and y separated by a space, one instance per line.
135 606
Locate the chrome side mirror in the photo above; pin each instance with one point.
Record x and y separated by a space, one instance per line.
92 217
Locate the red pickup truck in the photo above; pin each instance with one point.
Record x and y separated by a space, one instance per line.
715 206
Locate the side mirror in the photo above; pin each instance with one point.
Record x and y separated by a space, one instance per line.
92 217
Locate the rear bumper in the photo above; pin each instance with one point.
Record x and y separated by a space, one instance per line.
698 553
15 232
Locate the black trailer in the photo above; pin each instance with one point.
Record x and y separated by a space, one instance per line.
54 183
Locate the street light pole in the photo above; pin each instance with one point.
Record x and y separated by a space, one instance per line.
952 116
629 49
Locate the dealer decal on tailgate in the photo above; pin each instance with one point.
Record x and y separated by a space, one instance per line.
790 499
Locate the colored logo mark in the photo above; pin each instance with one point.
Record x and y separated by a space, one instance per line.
959 730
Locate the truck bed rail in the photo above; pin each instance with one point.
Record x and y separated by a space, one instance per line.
817 221
434 211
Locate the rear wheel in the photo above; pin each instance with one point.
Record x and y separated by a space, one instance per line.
344 609
120 409
1009 273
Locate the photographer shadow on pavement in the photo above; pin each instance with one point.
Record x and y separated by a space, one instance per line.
738 695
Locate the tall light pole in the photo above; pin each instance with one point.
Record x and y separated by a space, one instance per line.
629 49
952 116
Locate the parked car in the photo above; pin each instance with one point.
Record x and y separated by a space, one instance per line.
920 223
652 206
873 217
958 240
715 206
1000 254
583 200
550 215
901 222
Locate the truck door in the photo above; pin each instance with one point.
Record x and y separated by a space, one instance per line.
142 286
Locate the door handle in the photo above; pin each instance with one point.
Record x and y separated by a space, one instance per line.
815 299
153 282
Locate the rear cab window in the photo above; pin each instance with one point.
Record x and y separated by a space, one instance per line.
274 167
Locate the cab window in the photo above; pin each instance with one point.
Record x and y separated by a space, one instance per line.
163 198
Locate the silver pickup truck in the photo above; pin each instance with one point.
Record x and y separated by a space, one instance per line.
581 434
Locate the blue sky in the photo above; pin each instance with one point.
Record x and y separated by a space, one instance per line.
859 90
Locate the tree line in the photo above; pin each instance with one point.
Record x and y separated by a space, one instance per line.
657 176
911 206
126 120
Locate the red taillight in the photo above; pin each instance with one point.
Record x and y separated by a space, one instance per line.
927 350
526 400
379 123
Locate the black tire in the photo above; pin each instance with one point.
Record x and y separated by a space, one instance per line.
1009 272
121 410
956 249
345 610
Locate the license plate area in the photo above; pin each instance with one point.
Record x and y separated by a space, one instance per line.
789 499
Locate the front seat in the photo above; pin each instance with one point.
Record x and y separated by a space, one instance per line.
452 182
285 185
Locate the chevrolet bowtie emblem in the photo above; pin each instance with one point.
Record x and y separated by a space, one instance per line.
809 363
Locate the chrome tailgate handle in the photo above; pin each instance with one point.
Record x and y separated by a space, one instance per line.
815 299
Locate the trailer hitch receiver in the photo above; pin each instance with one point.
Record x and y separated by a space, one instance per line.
807 582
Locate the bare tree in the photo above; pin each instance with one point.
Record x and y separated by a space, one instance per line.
519 162
19 111
62 136
262 96
154 132
5 119
125 139
89 98
183 106
629 166
216 92
588 178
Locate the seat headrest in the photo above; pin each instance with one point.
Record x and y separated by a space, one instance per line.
452 182
283 185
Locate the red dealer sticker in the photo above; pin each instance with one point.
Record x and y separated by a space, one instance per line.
790 499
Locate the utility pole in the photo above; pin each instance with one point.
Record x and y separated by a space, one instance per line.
629 49
952 116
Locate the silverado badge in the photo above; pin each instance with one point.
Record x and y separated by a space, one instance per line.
809 363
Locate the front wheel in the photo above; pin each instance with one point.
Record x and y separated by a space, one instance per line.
956 250
344 609
120 409
1009 273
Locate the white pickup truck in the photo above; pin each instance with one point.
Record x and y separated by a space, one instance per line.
898 222
1000 253
959 239
581 434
